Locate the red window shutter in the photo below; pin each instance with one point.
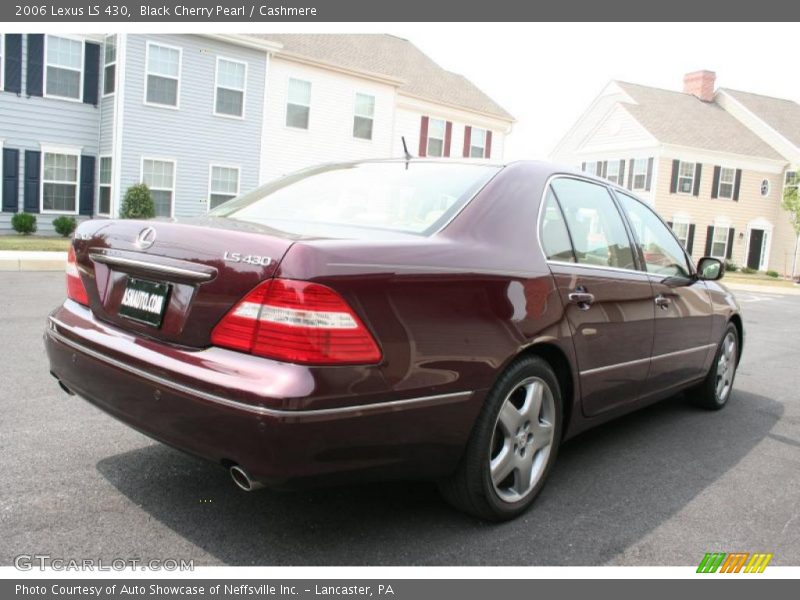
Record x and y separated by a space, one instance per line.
448 135
488 152
423 136
467 140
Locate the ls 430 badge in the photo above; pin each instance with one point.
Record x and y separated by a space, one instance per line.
250 259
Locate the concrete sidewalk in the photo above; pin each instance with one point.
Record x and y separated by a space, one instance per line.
21 260
762 289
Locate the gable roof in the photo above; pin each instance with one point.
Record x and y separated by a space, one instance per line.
393 57
683 119
780 114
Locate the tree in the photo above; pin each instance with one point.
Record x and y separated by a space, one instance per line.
138 203
791 204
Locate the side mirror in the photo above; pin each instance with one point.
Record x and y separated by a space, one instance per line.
710 269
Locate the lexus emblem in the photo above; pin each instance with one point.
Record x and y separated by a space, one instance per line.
146 238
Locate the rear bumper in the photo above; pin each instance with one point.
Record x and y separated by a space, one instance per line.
283 423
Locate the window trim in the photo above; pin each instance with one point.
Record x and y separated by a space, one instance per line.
761 187
643 174
371 138
105 94
678 183
66 150
616 176
786 184
471 145
217 87
681 220
429 137
715 228
732 183
211 166
174 178
177 105
45 93
308 106
102 185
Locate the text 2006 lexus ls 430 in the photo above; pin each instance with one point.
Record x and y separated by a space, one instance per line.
391 319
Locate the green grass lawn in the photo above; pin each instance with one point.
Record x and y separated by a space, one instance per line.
33 242
758 279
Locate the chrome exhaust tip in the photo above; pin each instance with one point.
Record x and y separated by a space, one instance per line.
243 480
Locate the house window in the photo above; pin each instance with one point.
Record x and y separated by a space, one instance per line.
363 116
719 243
224 185
612 171
159 175
681 231
231 83
590 168
685 177
639 175
64 67
60 182
791 181
765 187
298 104
477 143
726 180
109 64
2 64
104 187
436 129
163 75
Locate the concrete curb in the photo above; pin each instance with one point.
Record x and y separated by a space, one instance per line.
32 261
762 289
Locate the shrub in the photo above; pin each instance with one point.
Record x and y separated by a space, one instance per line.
65 225
731 267
772 273
138 203
748 270
24 223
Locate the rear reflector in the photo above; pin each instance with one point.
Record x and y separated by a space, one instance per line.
297 321
75 288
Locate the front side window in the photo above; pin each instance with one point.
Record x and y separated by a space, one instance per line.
598 234
163 75
298 104
639 178
59 182
104 186
662 253
477 143
109 64
159 175
554 235
612 172
436 128
224 185
685 177
64 69
726 181
719 242
363 116
231 83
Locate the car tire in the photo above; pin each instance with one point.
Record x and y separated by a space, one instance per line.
715 391
513 445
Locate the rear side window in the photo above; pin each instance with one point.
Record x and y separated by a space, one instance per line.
595 225
554 235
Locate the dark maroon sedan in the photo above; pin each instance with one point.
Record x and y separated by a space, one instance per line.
391 319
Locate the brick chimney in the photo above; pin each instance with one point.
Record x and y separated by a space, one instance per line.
700 84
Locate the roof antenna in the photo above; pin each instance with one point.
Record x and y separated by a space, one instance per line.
405 150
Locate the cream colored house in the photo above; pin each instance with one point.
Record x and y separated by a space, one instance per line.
713 162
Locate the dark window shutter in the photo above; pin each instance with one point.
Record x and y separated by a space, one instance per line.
698 169
621 177
731 234
35 76
423 136
87 185
583 167
10 180
33 163
737 184
709 239
91 72
488 152
630 174
670 224
448 137
13 63
649 181
467 140
602 170
673 184
715 183
690 239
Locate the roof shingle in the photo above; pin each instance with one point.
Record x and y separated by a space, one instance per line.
780 114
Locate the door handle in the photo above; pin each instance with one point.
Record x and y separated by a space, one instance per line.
583 299
662 301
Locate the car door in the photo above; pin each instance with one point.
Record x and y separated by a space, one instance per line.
683 314
608 302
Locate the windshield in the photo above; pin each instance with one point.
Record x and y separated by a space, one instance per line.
407 197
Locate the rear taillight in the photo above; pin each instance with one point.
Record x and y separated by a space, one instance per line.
297 321
75 289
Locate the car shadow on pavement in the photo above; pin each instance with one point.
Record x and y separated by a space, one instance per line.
610 487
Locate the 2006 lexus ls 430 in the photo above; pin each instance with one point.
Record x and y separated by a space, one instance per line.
391 319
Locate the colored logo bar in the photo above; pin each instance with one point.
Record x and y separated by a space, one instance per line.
734 562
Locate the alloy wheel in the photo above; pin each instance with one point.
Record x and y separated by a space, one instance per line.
726 367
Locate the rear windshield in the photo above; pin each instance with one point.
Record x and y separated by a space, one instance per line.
414 197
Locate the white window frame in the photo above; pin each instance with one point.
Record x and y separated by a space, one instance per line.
471 145
678 183
308 106
590 167
238 170
714 240
371 117
761 187
684 222
732 183
639 170
174 178
431 137
217 87
81 70
615 164
106 185
70 151
786 184
147 73
113 62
